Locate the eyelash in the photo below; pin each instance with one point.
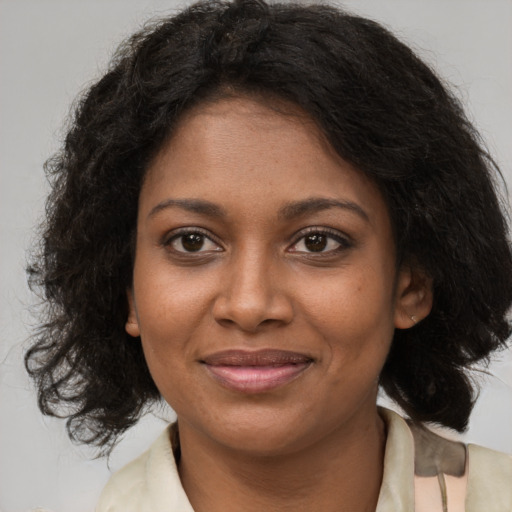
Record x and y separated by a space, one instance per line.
344 241
180 233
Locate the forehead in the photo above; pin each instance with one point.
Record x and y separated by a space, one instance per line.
253 155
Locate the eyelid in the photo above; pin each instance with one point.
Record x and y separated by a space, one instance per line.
343 239
170 236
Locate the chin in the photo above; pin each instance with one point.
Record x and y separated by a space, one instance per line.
260 433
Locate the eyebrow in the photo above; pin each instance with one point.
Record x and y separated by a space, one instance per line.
287 212
192 205
318 204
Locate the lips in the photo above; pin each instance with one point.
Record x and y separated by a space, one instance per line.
255 371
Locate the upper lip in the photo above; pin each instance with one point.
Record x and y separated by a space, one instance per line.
264 357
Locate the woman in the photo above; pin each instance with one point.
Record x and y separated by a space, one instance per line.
260 214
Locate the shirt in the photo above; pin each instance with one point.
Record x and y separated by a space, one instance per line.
423 472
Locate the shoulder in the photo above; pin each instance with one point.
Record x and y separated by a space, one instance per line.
489 480
150 482
447 474
470 478
127 488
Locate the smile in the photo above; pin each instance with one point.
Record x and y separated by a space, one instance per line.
255 372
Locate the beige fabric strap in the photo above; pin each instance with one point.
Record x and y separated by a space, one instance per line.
440 472
486 485
430 496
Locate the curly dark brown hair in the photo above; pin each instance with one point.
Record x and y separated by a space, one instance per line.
381 108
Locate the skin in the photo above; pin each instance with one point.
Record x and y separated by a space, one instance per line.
316 441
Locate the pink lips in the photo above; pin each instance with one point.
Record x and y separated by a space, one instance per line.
255 372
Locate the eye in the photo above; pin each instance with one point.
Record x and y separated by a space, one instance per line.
192 241
320 241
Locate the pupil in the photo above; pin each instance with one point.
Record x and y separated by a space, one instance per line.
192 242
316 243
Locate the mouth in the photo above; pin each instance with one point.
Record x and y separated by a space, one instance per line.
255 371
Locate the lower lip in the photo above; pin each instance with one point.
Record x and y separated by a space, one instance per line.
256 379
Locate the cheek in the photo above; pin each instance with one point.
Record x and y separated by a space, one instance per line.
167 324
168 315
169 301
354 315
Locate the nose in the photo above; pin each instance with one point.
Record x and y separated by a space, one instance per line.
253 295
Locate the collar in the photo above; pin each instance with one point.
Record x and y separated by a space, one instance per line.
397 488
396 493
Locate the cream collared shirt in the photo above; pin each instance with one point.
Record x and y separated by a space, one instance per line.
482 482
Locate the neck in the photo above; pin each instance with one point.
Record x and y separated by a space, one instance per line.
341 472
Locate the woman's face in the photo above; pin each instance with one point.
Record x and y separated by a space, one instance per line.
265 289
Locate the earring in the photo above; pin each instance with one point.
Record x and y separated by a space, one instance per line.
414 319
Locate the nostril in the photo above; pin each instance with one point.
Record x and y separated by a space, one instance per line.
251 300
250 324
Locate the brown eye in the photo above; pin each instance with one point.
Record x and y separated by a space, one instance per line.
316 242
321 241
193 241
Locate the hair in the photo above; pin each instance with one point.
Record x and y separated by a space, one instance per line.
381 108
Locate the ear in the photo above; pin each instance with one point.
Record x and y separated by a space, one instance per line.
413 298
132 323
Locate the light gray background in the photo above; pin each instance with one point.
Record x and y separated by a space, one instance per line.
49 51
